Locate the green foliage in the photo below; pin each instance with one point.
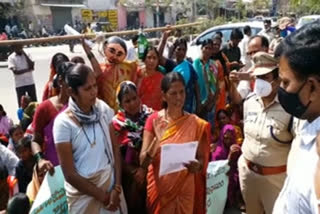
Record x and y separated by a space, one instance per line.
208 6
241 8
7 10
304 7
261 4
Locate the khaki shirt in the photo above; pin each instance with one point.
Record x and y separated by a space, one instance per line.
267 138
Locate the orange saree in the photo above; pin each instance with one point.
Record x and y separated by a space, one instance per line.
110 79
180 192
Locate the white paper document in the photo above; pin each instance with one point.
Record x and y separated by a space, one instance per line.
173 156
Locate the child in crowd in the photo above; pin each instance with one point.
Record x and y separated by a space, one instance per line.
25 166
25 100
28 115
18 204
15 133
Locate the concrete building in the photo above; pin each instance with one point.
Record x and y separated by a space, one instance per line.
129 14
135 13
56 13
53 14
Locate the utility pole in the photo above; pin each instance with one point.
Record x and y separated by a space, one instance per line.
158 13
274 7
194 10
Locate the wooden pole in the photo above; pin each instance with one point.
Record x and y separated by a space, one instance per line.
88 36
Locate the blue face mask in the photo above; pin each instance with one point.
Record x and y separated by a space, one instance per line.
291 102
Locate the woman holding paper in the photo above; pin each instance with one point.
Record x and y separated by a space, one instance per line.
87 148
180 192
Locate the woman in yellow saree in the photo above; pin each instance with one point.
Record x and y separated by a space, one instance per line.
181 192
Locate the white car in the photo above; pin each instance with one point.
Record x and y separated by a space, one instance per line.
307 19
194 47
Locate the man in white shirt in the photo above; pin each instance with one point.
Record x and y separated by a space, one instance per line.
132 48
22 67
267 32
299 96
244 46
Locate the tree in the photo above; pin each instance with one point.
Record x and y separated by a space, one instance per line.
209 7
8 10
241 8
261 4
305 6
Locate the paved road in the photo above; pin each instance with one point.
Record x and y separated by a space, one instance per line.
42 57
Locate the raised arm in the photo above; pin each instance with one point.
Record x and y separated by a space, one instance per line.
162 45
93 60
236 78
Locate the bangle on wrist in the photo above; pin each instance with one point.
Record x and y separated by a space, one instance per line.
38 156
117 188
90 55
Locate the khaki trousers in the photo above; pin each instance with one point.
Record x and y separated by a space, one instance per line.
259 191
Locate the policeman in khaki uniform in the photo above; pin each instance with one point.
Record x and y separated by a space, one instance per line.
262 165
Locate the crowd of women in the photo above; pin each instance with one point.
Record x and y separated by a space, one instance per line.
105 126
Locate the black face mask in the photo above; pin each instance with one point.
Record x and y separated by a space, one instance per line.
292 103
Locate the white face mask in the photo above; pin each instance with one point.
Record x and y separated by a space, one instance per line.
262 88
